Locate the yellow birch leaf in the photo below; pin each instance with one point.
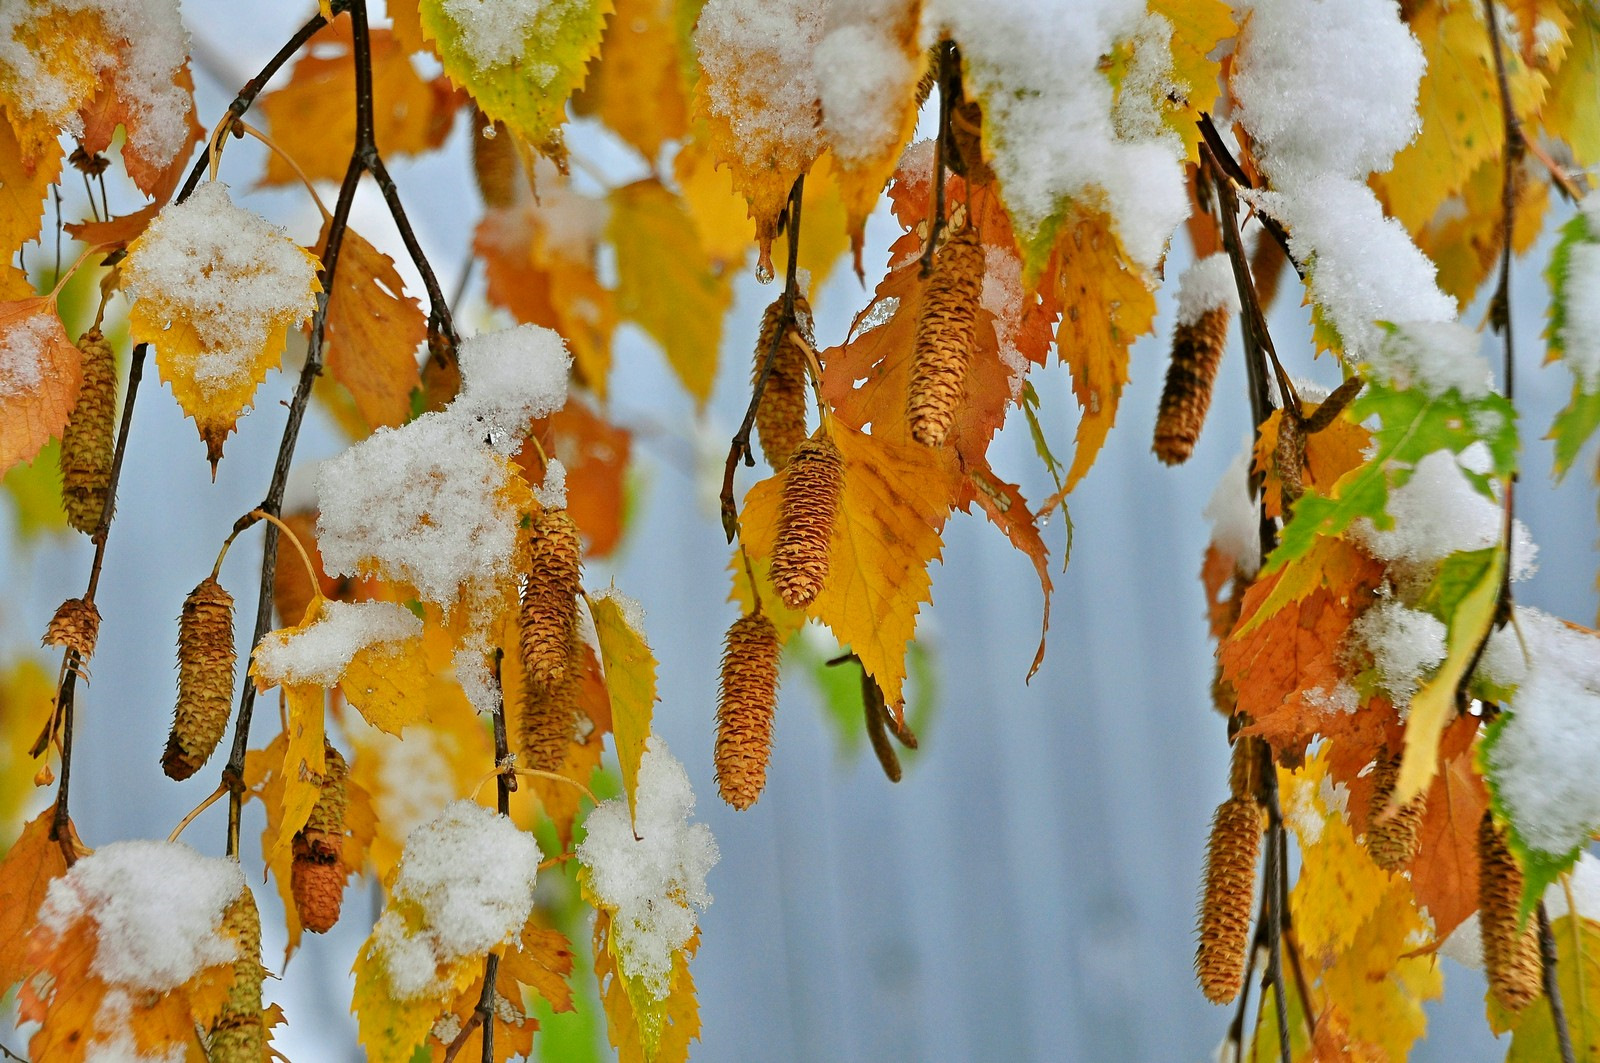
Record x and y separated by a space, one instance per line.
311 118
521 67
1459 104
630 670
1198 26
27 699
720 215
390 1027
63 46
23 188
30 865
1433 706
665 282
1573 110
640 1027
756 98
216 289
787 621
1339 886
373 331
40 373
387 684
303 761
1108 302
637 88
264 780
891 512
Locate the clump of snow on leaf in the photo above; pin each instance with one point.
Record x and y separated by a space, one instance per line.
1541 759
757 75
1405 644
22 352
147 47
156 909
225 271
467 878
1205 286
511 377
1433 357
1437 512
1579 335
863 77
492 33
657 882
322 652
552 494
1048 110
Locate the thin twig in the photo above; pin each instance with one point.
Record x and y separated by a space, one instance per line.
1552 988
740 447
941 145
1275 889
1231 167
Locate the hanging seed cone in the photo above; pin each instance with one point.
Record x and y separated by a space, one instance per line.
205 679
1510 955
89 437
237 1035
292 589
812 484
75 626
317 879
494 162
947 323
550 598
1196 353
548 723
745 707
781 416
1392 840
1225 907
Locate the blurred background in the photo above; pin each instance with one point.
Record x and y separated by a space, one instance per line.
1026 893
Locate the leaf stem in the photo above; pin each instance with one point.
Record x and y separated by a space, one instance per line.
740 446
288 160
201 807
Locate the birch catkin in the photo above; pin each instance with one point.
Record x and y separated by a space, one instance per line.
781 415
947 324
1196 354
548 722
809 504
205 679
238 1035
1510 954
1224 929
88 439
1392 840
745 709
317 878
550 598
76 626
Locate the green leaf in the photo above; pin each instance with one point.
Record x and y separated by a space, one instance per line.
1412 425
35 490
631 679
1030 409
1533 1031
528 88
1577 422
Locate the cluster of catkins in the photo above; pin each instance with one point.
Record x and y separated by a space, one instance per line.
813 483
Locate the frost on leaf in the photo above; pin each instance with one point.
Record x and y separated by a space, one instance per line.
216 289
649 870
132 937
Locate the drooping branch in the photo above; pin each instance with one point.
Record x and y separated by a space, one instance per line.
740 447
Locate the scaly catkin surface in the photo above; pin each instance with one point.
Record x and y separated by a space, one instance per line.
75 626
809 504
1196 353
238 1035
548 722
550 598
947 324
205 679
1510 955
745 708
781 416
88 440
1393 840
1224 925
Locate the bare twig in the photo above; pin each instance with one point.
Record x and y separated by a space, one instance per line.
740 447
1552 988
949 84
1230 166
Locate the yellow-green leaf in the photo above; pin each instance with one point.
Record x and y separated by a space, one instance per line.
630 670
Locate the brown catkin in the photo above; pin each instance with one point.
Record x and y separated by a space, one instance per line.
494 161
1510 955
550 598
317 879
745 707
205 679
548 724
88 439
947 324
808 505
75 626
1196 353
781 416
1392 840
1229 890
238 1034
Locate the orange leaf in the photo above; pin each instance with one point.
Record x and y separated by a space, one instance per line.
1110 302
1445 873
40 373
23 188
373 332
1005 507
312 120
32 863
895 500
595 455
541 961
637 87
1329 454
